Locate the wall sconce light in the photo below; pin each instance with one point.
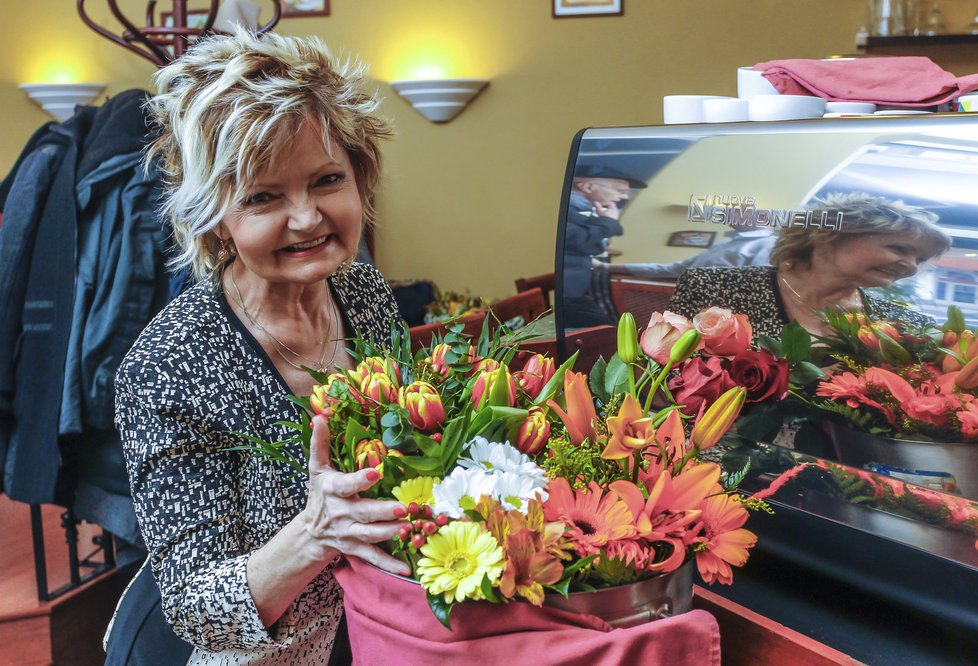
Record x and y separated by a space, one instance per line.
439 100
60 99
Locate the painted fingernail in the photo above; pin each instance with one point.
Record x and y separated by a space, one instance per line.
373 475
312 424
399 512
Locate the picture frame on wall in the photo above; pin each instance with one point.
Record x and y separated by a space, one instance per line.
699 239
572 8
196 18
301 8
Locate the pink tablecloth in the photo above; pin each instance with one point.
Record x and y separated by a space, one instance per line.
898 81
390 623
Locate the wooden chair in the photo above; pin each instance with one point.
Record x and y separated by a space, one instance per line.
641 297
591 343
545 282
528 304
421 336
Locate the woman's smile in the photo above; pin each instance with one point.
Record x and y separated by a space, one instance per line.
310 247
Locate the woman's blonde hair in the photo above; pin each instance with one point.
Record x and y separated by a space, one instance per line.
229 105
862 214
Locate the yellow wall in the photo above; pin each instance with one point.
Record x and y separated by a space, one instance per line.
473 204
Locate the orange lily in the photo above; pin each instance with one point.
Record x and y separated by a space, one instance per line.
629 431
580 417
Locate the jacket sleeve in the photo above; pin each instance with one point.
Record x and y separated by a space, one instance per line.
188 496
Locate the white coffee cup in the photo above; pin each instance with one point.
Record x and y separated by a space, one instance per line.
684 108
724 110
785 107
751 82
849 107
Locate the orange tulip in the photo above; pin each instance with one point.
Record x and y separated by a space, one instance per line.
484 383
580 417
377 391
369 453
534 432
535 374
423 404
436 359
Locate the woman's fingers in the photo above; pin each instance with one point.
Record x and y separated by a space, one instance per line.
319 456
348 485
381 560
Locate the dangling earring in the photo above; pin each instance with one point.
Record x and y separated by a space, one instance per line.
226 251
345 267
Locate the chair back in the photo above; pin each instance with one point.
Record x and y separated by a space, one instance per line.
641 297
591 343
545 282
421 336
528 304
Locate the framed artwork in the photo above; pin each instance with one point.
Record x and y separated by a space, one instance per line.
196 18
300 8
567 8
691 239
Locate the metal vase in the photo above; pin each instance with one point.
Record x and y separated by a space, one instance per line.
959 459
636 603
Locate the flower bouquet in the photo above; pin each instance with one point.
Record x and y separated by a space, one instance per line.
453 305
908 383
523 478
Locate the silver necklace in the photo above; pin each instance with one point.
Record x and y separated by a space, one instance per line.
322 365
797 296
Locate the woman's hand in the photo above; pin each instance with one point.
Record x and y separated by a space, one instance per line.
337 519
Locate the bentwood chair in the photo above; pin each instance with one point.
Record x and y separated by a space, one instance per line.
545 282
422 336
528 304
640 297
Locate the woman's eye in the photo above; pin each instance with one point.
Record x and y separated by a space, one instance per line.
258 199
330 179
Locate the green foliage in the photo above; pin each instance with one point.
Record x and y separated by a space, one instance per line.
441 609
580 464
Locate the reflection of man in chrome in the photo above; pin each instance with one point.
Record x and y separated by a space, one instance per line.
742 246
879 242
593 212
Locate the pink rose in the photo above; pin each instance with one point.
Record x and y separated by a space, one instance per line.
701 380
663 330
724 333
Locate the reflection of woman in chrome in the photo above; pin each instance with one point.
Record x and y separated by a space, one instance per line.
814 269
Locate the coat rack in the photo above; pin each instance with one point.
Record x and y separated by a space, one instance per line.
157 43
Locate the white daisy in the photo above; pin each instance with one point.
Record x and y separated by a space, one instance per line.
472 483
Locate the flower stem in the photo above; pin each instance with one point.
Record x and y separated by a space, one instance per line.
656 384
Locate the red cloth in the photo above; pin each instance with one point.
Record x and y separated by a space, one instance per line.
390 623
901 81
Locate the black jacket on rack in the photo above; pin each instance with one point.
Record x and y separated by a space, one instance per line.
82 254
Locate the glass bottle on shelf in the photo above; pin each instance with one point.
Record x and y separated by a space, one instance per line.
972 28
887 17
935 21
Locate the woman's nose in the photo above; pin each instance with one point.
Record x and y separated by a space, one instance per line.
305 214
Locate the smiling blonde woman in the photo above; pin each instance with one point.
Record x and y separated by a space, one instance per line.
271 153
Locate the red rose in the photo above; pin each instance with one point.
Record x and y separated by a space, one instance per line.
700 381
761 373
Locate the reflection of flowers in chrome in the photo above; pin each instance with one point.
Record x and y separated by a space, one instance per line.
457 558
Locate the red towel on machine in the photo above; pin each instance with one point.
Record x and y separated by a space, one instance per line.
390 623
899 81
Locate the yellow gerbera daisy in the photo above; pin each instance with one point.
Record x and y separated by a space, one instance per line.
456 558
417 490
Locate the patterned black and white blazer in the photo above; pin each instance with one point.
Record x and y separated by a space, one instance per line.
194 376
753 291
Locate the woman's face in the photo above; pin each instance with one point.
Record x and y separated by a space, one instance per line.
302 216
875 260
